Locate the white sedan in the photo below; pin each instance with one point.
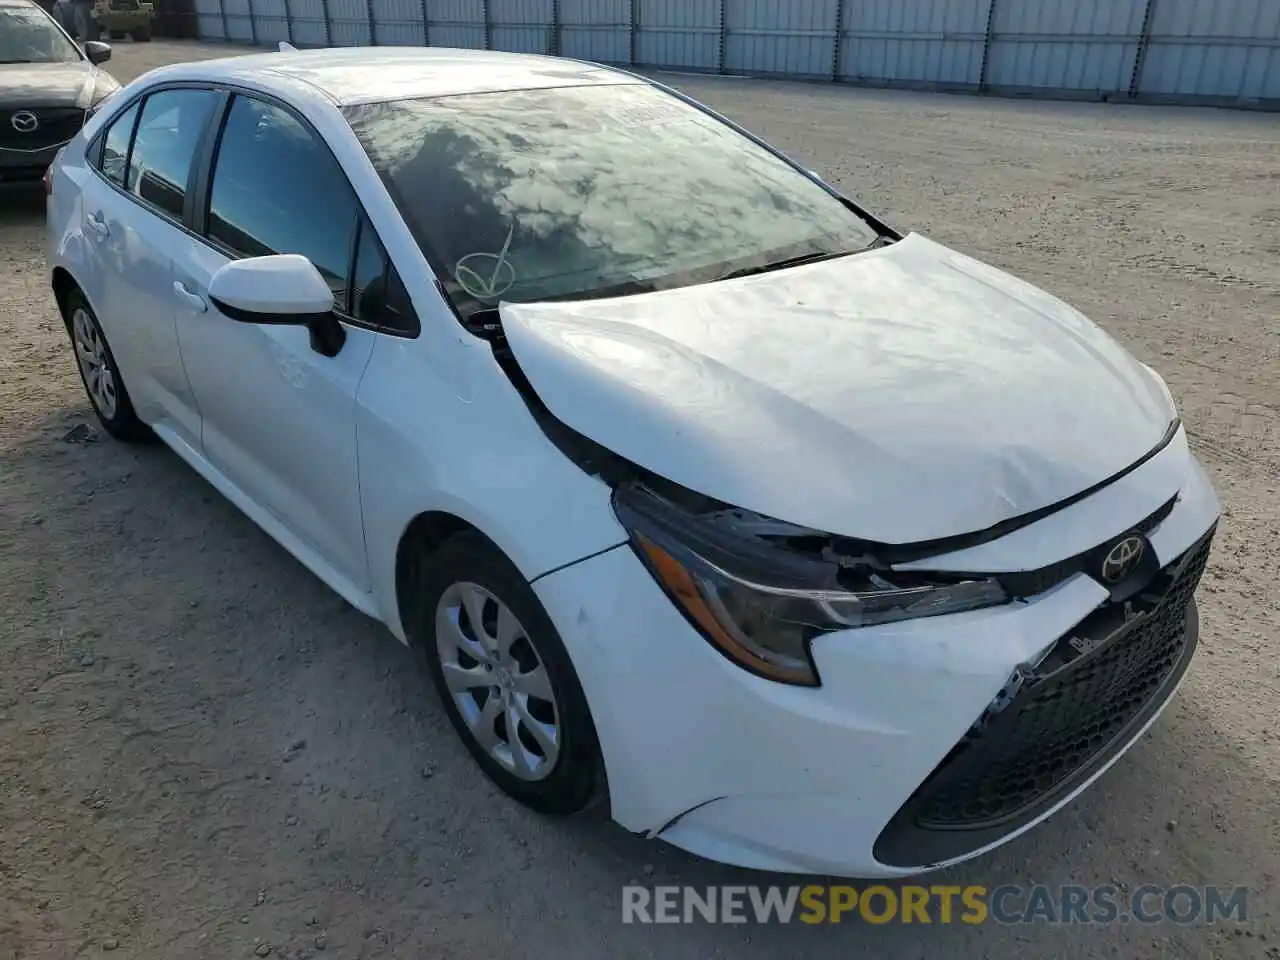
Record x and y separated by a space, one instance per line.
809 545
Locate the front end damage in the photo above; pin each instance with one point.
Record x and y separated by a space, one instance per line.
979 724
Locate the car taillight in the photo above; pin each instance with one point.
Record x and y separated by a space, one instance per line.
48 172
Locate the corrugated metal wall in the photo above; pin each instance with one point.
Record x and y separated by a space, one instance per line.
1208 51
915 42
1225 48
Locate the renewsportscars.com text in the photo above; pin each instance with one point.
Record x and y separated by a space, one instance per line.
942 904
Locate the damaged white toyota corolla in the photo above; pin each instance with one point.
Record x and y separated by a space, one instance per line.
809 545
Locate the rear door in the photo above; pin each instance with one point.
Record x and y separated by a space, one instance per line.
278 418
133 222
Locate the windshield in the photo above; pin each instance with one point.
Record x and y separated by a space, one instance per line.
591 191
27 35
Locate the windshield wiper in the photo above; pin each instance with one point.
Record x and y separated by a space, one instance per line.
799 260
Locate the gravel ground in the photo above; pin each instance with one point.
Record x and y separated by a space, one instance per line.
204 753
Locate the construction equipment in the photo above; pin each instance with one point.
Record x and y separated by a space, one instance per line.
115 18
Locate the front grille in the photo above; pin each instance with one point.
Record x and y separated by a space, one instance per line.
56 125
1032 583
1067 717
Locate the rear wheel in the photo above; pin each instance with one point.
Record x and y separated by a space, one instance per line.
99 373
504 677
142 34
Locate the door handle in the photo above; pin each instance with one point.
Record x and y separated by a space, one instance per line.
98 224
193 301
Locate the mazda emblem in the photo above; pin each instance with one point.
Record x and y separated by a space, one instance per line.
1121 559
24 121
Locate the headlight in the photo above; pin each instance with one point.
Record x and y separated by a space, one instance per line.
761 603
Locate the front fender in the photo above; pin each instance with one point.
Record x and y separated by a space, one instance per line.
424 448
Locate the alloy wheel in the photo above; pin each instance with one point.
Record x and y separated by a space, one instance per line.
498 681
91 354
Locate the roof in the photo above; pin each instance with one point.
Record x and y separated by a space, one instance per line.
369 74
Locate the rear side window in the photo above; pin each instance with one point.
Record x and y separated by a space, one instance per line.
115 146
164 145
277 189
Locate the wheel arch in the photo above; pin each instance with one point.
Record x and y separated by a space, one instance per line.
64 284
425 534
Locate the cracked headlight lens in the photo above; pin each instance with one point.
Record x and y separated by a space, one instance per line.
761 604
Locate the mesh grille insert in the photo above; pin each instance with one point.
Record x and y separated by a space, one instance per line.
1059 722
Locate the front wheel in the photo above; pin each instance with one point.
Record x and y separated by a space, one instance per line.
505 678
99 373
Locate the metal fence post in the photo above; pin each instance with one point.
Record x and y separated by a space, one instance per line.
328 23
837 47
426 25
1140 55
253 26
288 22
724 35
986 46
222 12
555 28
373 24
632 27
488 25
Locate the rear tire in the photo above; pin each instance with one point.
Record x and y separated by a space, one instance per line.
99 373
142 34
512 694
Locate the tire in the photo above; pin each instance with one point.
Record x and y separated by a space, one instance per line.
99 373
142 34
468 573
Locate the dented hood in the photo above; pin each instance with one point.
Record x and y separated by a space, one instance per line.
903 394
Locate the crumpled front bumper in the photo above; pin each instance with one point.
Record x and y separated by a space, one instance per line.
746 771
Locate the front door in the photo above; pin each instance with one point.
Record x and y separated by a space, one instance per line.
278 418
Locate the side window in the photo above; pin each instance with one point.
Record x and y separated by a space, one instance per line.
277 189
367 286
115 146
168 132
397 308
378 297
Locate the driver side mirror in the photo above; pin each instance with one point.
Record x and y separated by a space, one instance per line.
97 51
284 289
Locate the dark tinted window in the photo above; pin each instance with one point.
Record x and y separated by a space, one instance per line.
115 145
591 191
378 298
396 306
170 128
277 189
367 284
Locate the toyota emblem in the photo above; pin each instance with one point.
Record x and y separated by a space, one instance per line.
24 121
1121 559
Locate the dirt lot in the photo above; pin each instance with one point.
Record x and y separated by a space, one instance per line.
202 750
